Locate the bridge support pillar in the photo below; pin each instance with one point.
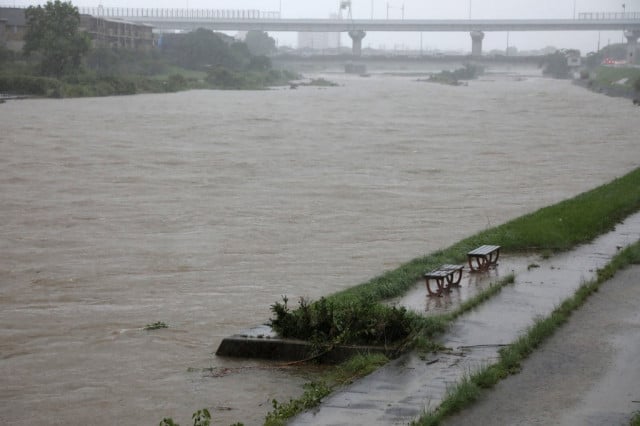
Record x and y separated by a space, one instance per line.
356 38
476 43
633 49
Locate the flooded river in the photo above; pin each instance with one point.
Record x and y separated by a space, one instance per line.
200 209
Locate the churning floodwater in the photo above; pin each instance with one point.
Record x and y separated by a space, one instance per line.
201 209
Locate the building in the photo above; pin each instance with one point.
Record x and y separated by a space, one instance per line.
103 32
13 27
319 41
114 33
573 58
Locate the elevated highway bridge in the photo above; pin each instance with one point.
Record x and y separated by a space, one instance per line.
248 20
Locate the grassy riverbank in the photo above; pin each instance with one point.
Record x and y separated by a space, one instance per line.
613 81
91 84
557 228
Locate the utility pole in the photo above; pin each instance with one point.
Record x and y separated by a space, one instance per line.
624 6
506 52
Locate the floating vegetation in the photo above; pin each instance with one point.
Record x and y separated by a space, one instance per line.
453 78
156 326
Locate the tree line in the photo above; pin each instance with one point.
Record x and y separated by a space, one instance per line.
58 56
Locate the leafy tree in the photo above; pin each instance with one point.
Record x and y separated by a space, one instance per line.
259 63
259 43
555 65
202 48
240 56
53 32
107 61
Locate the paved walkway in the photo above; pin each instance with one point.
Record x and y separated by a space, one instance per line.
588 373
399 392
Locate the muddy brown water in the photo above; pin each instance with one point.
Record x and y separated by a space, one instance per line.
201 209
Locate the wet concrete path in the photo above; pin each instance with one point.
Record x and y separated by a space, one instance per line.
585 374
406 387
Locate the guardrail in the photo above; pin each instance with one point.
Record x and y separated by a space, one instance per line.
601 16
128 12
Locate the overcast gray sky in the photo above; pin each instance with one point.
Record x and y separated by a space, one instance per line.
421 9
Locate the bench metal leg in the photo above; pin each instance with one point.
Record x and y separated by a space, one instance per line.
493 257
481 263
438 282
454 278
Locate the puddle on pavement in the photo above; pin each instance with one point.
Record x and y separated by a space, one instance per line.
418 300
413 383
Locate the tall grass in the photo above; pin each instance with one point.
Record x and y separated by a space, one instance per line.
556 228
611 75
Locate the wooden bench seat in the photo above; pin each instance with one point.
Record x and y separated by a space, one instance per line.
484 257
444 277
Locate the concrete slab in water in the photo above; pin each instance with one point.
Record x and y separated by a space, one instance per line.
262 342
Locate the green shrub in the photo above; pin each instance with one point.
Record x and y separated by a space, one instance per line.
358 321
29 85
176 82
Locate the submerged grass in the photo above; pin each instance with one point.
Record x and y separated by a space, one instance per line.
511 357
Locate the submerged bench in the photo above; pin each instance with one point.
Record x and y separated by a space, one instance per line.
482 258
444 277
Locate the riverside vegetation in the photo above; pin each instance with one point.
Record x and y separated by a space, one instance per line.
453 78
58 61
553 229
622 81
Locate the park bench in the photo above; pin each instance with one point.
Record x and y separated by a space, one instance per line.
484 257
444 277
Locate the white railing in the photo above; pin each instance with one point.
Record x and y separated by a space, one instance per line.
602 16
158 13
